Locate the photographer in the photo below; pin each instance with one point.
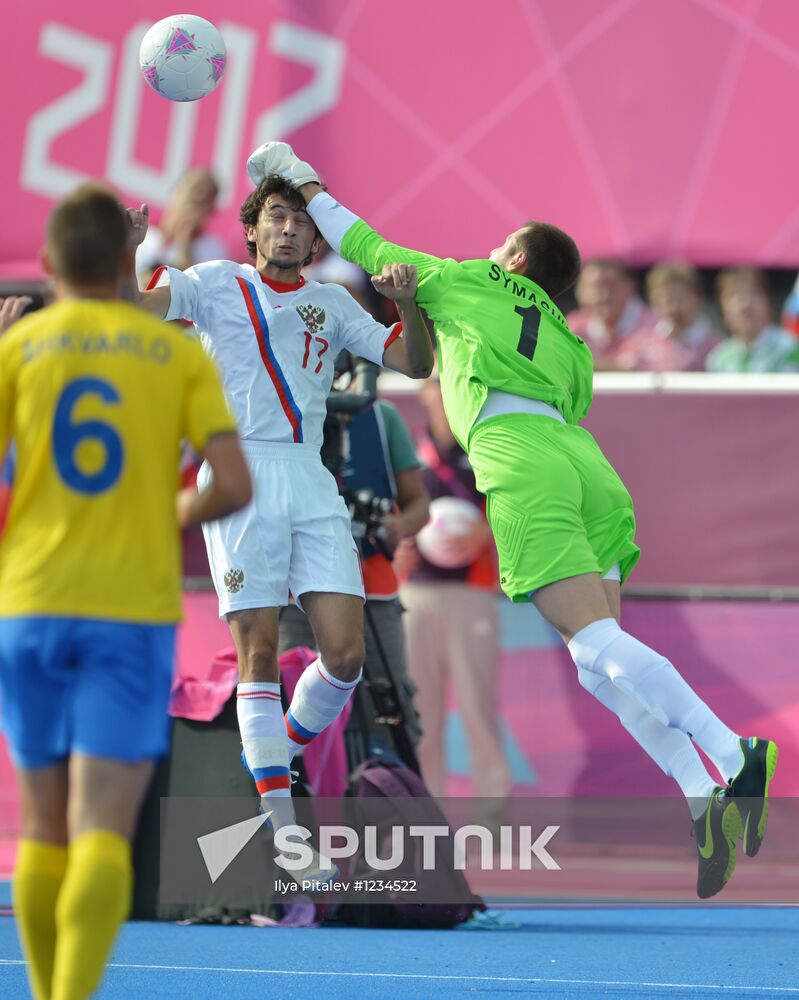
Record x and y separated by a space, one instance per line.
370 451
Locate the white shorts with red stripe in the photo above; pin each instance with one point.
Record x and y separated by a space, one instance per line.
294 536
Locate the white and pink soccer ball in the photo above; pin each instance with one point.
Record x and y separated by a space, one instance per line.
454 536
182 57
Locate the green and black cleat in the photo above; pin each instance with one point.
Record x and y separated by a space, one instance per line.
749 789
716 831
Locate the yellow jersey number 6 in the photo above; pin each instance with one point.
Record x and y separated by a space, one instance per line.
68 435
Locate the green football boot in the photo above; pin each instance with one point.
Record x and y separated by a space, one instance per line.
749 789
716 831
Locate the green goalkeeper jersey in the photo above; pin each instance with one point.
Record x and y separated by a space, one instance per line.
494 330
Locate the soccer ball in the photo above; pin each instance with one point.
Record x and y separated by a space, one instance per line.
182 57
453 537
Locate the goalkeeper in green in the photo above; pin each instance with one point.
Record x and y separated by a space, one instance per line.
516 383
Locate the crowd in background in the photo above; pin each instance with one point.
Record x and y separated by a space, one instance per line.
677 328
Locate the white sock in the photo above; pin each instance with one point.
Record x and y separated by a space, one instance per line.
670 749
318 700
603 648
263 737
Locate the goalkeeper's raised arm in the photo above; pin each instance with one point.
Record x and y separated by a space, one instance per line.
347 234
399 273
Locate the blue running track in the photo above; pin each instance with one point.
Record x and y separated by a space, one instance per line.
585 952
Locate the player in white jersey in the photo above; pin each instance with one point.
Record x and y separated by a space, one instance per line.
275 337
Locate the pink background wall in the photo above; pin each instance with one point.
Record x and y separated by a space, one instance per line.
714 480
739 657
646 128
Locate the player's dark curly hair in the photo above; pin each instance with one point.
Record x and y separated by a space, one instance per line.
553 260
254 202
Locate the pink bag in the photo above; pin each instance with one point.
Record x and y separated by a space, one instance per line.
202 699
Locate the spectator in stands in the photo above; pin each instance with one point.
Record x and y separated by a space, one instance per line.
179 239
681 338
609 310
790 311
452 627
756 343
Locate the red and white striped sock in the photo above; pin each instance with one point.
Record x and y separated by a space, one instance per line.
318 700
263 737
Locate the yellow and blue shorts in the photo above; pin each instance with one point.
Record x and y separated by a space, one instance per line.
83 685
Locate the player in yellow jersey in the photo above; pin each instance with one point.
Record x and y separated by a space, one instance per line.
96 395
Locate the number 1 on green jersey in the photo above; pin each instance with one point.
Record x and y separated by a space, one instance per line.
531 320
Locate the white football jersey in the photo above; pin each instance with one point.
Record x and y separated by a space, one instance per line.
274 343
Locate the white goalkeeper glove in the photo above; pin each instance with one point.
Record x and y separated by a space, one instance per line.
279 158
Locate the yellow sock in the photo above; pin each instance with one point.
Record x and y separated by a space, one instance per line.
94 901
38 875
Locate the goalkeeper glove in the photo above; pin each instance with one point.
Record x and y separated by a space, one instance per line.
279 158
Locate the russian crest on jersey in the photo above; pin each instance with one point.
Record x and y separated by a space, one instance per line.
182 57
313 317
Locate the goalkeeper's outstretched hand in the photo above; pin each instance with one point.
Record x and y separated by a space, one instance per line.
279 158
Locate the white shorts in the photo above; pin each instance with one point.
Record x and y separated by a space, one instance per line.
294 536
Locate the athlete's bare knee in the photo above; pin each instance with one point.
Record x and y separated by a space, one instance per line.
106 794
257 655
43 804
612 589
344 656
45 823
337 622
573 604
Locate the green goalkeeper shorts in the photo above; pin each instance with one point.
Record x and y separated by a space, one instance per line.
556 506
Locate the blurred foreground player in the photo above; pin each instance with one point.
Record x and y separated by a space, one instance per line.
97 396
516 382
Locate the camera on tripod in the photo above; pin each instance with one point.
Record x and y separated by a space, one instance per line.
367 513
354 389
